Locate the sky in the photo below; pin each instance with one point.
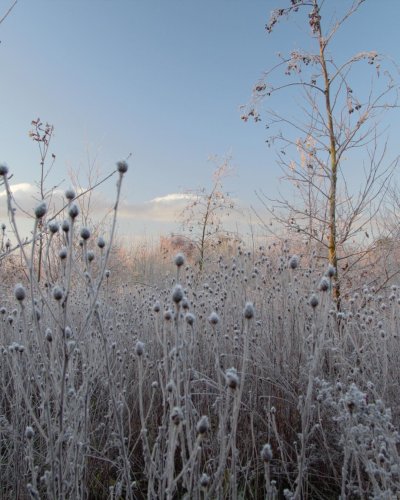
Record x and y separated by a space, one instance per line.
162 81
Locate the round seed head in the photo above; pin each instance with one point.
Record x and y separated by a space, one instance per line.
70 194
248 311
40 210
63 253
101 242
294 261
176 415
53 227
204 480
90 255
324 284
57 293
203 425
331 271
48 334
157 307
139 349
190 319
3 169
85 233
3 227
107 273
177 294
19 292
266 453
73 211
167 315
313 301
179 259
65 226
122 167
232 378
29 432
213 318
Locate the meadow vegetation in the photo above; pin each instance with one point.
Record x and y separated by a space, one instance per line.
237 379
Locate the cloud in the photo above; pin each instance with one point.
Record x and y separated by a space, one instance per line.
159 209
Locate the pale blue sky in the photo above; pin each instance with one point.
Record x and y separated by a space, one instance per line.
161 79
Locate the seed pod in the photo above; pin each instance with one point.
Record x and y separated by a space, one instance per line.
176 415
179 259
73 211
213 318
313 301
204 480
29 432
248 311
40 210
85 233
19 292
57 293
3 169
232 378
203 425
122 167
177 294
139 349
266 453
70 194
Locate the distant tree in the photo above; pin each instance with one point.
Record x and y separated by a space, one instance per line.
202 218
333 126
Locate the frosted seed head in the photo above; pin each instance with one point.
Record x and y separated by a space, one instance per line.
70 194
294 261
19 292
57 293
331 271
313 301
85 233
157 307
176 415
248 311
190 319
231 378
65 226
48 335
266 453
122 167
177 294
101 242
29 432
40 210
213 319
90 255
154 385
185 303
139 349
107 273
53 227
179 259
203 425
204 480
170 386
73 211
3 169
324 284
63 253
68 332
167 315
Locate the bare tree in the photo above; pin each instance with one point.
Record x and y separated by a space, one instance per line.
333 126
203 216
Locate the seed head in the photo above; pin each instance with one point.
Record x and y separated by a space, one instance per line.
70 194
190 319
29 432
63 253
176 415
204 480
179 259
85 233
65 226
73 211
90 255
139 349
324 284
57 293
19 292
203 425
313 301
48 334
40 210
266 453
53 227
248 311
157 307
331 271
213 318
232 378
100 242
122 167
3 169
107 273
294 261
177 294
